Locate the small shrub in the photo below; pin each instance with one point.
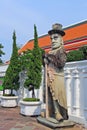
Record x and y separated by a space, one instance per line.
8 94
31 99
75 55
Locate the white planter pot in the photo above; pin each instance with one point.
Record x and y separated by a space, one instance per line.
9 101
30 108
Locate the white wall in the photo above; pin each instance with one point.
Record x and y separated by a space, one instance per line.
3 69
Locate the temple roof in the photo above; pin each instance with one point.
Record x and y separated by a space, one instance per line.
76 36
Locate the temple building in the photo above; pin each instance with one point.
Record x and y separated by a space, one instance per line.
76 36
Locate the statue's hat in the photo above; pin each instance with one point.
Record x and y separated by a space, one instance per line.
56 28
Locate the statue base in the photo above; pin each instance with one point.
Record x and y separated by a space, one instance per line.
53 123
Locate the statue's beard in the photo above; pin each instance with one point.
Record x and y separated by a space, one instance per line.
57 43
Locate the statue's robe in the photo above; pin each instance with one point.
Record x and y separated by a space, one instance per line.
56 61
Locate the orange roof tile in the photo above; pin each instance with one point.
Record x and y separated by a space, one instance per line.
76 31
73 32
42 41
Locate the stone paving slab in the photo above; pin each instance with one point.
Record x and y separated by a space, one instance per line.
11 119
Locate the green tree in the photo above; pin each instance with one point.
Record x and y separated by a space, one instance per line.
11 80
84 50
25 59
34 68
1 52
75 55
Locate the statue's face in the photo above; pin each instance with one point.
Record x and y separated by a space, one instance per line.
56 40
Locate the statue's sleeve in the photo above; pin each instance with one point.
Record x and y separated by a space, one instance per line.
60 58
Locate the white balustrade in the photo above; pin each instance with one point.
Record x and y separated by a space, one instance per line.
76 90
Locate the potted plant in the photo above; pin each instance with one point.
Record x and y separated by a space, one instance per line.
11 79
32 106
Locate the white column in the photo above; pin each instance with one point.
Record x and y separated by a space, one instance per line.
68 89
76 105
84 93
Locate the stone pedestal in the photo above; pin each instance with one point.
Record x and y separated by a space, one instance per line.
53 123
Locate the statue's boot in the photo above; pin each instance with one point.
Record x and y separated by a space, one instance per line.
58 116
62 110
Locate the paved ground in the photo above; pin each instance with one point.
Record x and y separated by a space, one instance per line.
11 119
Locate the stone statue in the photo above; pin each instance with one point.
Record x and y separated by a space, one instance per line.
55 60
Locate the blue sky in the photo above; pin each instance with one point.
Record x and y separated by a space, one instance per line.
21 15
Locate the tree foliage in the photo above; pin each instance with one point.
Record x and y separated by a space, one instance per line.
75 55
34 68
84 50
11 80
25 59
1 52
